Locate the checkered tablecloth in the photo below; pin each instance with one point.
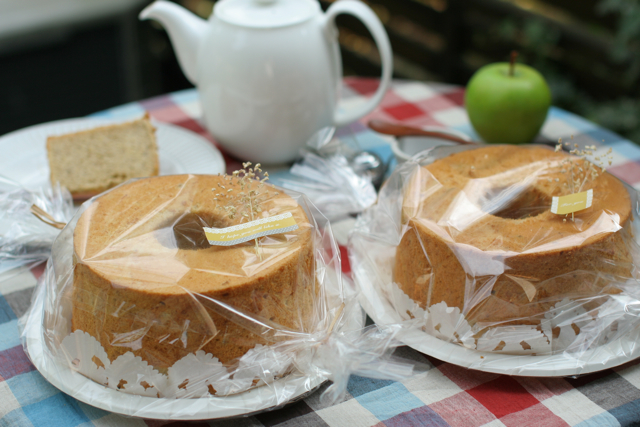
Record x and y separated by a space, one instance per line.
446 395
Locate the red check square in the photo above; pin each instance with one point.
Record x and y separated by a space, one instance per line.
390 99
14 362
462 410
363 86
437 103
404 111
503 396
466 378
457 96
534 416
628 172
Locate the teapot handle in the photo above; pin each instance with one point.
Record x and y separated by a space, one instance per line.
373 24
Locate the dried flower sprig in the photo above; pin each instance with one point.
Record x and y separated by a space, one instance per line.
246 203
583 170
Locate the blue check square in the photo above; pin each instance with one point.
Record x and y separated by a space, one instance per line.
6 312
58 410
30 388
389 401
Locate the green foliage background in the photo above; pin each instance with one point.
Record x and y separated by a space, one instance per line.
620 112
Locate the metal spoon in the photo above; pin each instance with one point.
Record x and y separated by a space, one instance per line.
363 163
367 163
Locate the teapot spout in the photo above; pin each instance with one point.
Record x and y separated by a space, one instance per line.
186 32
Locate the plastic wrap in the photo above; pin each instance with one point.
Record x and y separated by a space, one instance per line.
463 242
143 316
338 177
331 184
24 239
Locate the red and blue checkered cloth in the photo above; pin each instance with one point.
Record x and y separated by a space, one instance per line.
446 395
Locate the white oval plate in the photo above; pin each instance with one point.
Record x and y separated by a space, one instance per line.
275 395
556 365
24 154
86 390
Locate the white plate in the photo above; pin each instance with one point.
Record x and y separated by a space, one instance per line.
564 364
277 394
24 156
86 390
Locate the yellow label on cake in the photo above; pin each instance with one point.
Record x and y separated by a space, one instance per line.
251 230
571 203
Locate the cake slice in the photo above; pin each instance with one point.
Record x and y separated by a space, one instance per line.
92 161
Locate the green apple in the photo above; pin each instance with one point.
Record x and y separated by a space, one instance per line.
507 103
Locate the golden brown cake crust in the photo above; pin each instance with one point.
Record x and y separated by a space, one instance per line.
144 284
510 265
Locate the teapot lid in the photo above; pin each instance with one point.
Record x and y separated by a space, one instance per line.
265 13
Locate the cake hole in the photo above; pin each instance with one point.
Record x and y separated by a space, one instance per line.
121 384
145 384
188 229
527 204
183 386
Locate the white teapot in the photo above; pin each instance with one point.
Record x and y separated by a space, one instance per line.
268 71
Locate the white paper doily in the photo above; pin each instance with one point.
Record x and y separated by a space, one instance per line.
292 387
278 393
563 364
